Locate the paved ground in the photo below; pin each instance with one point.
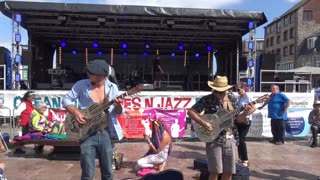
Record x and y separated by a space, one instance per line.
293 160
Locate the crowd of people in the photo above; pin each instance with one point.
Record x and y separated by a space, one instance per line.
222 153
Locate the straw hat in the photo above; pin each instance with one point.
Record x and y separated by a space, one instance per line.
220 83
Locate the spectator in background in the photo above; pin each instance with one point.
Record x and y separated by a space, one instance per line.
23 114
157 73
278 105
314 121
243 123
160 146
39 122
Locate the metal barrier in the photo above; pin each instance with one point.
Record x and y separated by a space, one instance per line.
7 122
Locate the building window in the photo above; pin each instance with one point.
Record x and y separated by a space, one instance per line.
291 33
285 36
308 64
272 28
278 39
267 43
307 15
271 41
292 18
278 55
292 49
279 25
285 51
286 20
311 42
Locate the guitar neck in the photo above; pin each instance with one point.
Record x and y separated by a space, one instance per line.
106 105
238 110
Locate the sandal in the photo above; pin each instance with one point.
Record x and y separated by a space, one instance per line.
245 163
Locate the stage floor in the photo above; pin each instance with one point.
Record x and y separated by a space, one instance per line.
293 160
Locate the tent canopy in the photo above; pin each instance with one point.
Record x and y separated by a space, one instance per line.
306 70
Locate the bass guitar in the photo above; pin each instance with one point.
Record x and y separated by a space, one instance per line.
221 120
95 118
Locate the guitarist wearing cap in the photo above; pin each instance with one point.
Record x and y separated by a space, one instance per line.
96 89
222 151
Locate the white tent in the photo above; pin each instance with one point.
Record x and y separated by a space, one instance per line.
306 70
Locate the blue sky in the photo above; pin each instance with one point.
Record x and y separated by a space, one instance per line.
271 8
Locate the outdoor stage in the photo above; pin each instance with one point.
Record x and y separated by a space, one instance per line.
293 160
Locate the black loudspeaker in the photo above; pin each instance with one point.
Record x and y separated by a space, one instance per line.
4 52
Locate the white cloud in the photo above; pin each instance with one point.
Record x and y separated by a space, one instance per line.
210 4
294 1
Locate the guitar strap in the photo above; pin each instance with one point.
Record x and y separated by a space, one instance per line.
230 107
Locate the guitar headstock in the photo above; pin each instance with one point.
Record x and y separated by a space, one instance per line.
263 98
135 90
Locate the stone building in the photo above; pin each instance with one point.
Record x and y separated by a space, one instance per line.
293 36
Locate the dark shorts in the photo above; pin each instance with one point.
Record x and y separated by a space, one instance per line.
156 76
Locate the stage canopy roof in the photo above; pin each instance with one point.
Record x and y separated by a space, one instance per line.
162 28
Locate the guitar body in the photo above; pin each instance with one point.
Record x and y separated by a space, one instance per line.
95 116
220 120
95 119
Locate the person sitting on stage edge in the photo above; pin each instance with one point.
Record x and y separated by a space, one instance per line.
160 146
96 89
314 121
23 114
221 152
243 123
39 123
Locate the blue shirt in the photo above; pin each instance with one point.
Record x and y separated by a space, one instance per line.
81 91
276 105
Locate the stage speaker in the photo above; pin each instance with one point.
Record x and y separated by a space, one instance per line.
4 53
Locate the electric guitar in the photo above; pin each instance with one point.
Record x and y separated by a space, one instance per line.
221 120
95 118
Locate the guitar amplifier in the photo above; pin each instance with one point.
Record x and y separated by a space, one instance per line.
242 173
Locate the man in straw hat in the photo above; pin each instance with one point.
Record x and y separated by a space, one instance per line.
222 152
314 121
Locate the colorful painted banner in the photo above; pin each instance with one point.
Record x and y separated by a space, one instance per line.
135 123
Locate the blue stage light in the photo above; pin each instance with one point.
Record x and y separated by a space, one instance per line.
251 25
250 81
18 18
209 48
250 63
17 37
180 47
63 44
125 53
124 45
95 45
250 45
17 59
17 77
74 52
145 54
173 54
99 53
197 55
